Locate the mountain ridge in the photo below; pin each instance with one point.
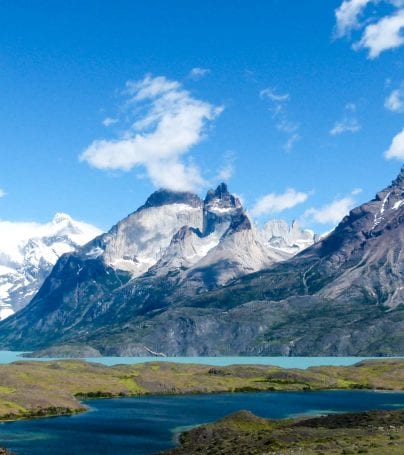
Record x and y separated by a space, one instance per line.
28 251
174 237
341 296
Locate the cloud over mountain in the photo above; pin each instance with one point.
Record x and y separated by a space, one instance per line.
166 122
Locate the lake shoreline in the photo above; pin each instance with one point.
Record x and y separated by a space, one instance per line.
377 432
281 361
58 388
159 415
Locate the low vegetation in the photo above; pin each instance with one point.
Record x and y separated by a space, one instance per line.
31 389
374 432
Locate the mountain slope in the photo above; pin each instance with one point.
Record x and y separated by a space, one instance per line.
28 252
174 241
341 296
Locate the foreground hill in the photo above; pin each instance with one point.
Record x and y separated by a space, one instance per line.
374 432
343 295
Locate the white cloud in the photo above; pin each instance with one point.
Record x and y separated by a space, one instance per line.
350 107
349 122
281 117
380 32
385 34
346 125
167 123
395 101
226 171
275 203
333 212
198 73
347 15
284 125
356 191
272 95
396 149
290 143
2 193
108 121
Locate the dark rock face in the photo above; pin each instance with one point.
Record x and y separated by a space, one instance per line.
163 197
342 296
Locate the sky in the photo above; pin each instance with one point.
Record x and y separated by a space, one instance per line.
298 106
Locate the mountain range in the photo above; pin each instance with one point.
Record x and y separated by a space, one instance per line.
28 252
182 276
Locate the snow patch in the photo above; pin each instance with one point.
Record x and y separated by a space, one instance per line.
397 205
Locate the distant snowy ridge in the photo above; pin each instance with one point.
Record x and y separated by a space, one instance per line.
28 251
289 239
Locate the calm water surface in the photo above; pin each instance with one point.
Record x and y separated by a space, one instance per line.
145 425
285 362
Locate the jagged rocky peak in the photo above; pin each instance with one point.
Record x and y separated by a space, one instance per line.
393 196
221 210
164 197
220 200
371 219
139 241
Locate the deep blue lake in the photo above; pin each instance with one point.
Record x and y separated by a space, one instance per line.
145 425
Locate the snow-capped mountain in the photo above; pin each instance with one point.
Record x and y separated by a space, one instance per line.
291 239
170 232
120 296
28 251
179 232
175 241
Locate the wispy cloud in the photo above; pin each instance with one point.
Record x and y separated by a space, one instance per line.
227 170
2 193
166 122
290 143
385 34
396 149
108 121
333 212
395 101
272 95
276 203
345 126
280 116
198 73
348 124
380 32
347 15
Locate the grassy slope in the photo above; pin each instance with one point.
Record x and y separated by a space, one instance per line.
30 389
375 432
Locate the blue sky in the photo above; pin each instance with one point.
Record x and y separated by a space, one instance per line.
293 105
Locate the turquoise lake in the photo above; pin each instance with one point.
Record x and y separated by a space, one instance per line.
285 362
